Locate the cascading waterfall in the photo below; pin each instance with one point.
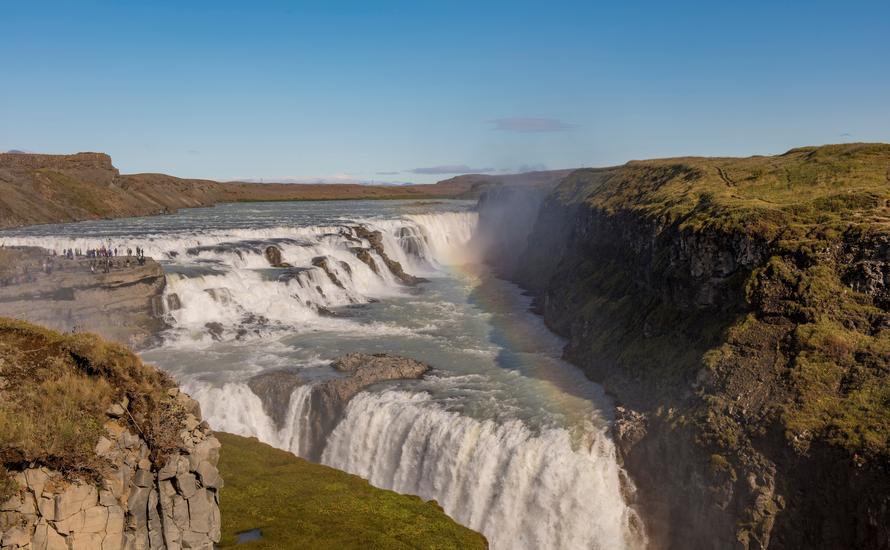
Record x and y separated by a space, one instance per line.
223 276
520 488
491 477
487 436
236 409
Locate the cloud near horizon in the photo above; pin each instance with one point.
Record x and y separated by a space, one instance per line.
526 125
450 169
316 180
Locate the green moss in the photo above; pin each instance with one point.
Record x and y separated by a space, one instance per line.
298 504
843 395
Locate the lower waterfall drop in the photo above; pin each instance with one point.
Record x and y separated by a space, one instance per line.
492 478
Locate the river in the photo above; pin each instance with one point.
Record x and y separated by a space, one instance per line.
508 438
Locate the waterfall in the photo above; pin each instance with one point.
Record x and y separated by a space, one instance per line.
223 278
522 490
234 408
493 478
490 442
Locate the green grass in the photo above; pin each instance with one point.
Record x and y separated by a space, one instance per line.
832 185
298 504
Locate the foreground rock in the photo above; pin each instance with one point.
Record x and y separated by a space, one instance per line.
125 305
328 399
99 450
134 505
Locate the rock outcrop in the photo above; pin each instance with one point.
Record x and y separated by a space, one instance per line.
273 256
126 304
133 505
274 388
328 399
375 240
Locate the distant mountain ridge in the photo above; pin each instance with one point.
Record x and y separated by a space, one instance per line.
38 189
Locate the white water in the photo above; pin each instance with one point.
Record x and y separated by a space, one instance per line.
510 440
523 490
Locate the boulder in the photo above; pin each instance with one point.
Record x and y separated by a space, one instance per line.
273 256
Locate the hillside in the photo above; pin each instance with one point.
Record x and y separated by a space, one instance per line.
36 189
739 309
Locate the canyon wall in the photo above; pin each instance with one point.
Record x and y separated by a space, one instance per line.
737 309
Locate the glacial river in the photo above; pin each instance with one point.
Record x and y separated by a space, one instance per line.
507 437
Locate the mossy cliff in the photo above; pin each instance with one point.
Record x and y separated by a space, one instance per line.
738 310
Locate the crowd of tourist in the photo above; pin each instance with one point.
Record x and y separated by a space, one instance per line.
104 258
101 252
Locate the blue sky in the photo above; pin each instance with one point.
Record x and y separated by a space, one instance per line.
416 90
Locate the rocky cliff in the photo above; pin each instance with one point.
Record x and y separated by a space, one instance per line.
98 451
738 311
123 302
133 504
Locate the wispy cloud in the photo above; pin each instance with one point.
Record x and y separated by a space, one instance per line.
450 169
388 173
526 125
